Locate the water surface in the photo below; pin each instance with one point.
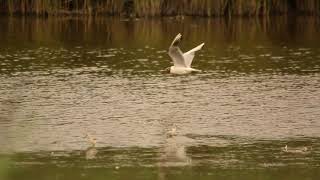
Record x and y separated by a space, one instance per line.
63 78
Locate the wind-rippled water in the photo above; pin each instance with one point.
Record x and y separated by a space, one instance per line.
258 91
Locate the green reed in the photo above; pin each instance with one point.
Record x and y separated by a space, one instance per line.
142 8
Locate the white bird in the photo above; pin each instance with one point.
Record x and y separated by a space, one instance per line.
181 61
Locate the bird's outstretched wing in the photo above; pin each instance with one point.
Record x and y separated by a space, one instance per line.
188 56
175 53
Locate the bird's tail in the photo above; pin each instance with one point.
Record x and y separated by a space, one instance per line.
195 70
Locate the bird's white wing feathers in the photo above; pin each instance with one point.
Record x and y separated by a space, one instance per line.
175 53
182 59
177 56
188 56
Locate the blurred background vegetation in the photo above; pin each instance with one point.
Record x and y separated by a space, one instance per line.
146 8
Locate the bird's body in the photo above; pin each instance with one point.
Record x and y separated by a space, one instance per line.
182 70
182 61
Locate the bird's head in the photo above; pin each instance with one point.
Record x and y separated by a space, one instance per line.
166 70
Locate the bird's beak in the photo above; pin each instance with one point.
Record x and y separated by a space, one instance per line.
166 69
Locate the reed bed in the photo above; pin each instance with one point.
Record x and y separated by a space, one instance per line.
143 8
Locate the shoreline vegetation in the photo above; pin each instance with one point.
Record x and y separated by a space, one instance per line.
157 8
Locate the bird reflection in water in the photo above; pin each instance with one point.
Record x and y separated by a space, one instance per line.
174 149
91 151
173 153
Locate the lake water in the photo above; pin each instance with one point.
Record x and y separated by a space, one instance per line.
62 79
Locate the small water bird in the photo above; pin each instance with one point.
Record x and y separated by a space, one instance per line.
298 150
182 61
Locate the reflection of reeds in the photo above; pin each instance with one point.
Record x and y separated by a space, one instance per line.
160 7
109 31
4 164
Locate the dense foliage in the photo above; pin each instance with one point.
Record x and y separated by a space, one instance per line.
141 8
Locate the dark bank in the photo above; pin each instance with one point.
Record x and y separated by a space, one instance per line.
150 8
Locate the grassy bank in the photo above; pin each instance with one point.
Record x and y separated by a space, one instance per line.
142 8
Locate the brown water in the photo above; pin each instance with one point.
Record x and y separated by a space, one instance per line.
62 78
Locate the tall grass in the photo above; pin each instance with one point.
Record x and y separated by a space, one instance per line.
142 8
